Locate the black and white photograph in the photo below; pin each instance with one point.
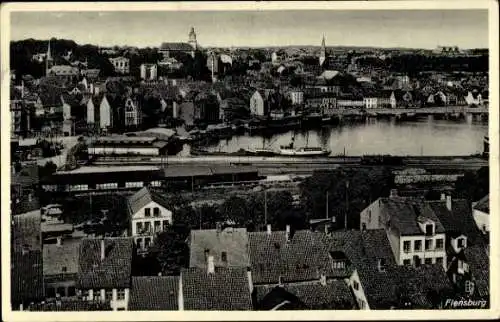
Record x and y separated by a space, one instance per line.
251 158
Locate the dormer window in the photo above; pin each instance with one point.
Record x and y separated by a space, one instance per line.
429 229
461 243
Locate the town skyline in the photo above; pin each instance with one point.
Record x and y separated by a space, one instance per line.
361 28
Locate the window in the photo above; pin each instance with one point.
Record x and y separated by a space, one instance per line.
369 215
418 245
51 292
416 261
469 287
147 242
147 226
338 264
439 260
165 224
429 229
461 242
406 246
147 212
109 294
428 244
407 262
71 291
156 211
224 257
157 225
355 285
61 291
64 269
428 261
120 294
439 243
138 227
361 304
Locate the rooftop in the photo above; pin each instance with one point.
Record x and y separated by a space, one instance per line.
106 169
176 46
26 231
154 293
479 264
70 306
404 212
142 198
483 204
335 295
232 241
26 276
62 258
226 289
114 271
299 259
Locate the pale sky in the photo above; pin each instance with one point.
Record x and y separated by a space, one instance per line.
380 28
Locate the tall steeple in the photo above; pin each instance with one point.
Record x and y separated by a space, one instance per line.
49 61
322 55
192 39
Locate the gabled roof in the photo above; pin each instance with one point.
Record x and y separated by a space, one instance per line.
26 277
233 241
483 204
329 74
26 231
143 197
479 264
385 289
150 293
114 271
300 259
403 214
335 295
176 46
458 221
225 289
71 100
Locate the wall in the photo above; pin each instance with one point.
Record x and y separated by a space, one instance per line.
359 294
423 254
370 216
97 150
482 219
139 217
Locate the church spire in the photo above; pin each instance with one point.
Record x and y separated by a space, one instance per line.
48 51
322 55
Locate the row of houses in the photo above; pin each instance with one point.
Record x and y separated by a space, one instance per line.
408 253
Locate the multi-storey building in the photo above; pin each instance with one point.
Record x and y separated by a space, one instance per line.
416 234
149 215
121 65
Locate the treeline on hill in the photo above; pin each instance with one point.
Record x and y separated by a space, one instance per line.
415 63
21 53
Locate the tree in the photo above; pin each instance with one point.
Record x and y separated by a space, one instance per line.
359 187
170 249
46 170
473 185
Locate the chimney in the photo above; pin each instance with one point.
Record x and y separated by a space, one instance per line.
394 193
269 231
59 241
211 265
287 233
322 279
443 197
448 202
103 250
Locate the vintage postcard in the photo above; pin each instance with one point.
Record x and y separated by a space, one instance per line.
219 161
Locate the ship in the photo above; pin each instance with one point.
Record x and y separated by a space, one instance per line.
307 151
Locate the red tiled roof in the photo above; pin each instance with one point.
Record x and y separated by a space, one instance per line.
154 293
225 289
114 271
